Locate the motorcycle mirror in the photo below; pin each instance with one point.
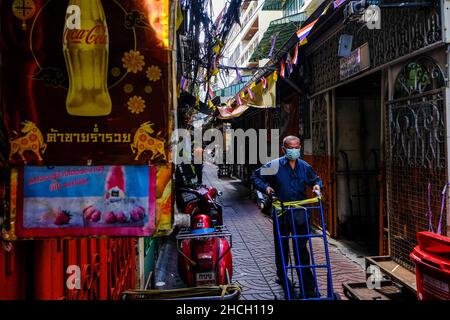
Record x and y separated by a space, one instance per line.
219 193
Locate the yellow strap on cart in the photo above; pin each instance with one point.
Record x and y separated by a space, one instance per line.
294 204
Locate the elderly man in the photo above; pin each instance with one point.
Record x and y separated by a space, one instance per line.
288 183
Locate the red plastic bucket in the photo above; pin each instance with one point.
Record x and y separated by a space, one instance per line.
432 261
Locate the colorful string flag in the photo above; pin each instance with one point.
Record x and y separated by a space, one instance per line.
211 93
337 3
275 76
183 84
272 46
250 93
238 75
289 64
239 100
304 32
282 69
264 83
295 57
211 105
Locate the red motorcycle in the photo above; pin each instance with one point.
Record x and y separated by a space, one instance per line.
205 253
193 199
202 201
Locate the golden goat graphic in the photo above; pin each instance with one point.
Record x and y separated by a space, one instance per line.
143 141
32 141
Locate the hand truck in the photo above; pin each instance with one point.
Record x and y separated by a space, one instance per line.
290 209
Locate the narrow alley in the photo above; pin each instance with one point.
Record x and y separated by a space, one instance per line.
253 247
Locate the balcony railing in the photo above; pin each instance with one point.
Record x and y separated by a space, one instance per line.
249 49
248 14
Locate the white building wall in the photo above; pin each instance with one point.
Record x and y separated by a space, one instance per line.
241 49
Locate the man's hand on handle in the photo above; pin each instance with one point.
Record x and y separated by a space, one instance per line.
316 188
269 190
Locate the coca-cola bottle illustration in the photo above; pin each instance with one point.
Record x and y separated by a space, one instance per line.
86 55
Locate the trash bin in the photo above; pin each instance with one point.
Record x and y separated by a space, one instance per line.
432 260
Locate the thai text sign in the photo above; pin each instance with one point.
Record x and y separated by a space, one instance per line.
358 61
85 201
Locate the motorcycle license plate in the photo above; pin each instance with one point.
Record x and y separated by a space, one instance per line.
205 278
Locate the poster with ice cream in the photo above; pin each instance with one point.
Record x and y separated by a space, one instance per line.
86 201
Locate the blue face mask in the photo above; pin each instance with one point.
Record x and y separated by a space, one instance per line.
292 154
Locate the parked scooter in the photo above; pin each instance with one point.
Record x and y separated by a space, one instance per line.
193 199
205 253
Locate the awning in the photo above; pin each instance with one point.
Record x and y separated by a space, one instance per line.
264 99
283 28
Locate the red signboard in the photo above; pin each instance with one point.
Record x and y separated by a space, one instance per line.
84 201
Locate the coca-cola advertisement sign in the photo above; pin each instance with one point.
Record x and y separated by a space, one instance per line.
85 82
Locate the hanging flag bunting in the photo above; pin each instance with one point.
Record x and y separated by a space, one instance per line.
239 101
272 47
282 69
250 93
242 93
184 84
211 105
238 75
211 93
337 3
275 76
304 32
264 83
289 64
295 57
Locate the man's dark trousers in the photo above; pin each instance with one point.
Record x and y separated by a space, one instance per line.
199 172
286 228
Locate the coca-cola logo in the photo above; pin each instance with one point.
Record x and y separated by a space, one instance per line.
95 35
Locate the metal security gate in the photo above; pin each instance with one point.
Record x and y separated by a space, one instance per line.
321 159
40 269
416 155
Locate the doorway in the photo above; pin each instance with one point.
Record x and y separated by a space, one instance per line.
357 154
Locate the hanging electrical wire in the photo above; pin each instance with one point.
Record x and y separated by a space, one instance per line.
206 39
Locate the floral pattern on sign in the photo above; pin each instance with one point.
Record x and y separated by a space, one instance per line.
154 73
136 104
133 61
